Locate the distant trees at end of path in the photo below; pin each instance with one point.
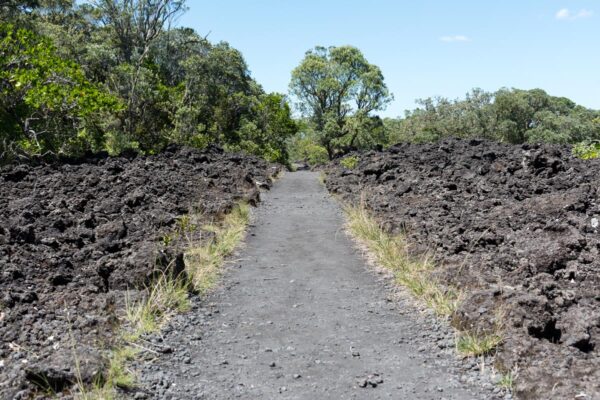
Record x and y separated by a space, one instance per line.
508 116
337 91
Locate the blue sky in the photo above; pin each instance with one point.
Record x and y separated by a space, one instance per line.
425 47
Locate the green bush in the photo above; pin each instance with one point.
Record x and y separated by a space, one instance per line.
306 149
46 103
508 115
349 162
587 151
271 125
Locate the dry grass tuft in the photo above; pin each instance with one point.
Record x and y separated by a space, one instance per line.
117 375
169 295
203 263
470 344
391 252
163 298
507 381
322 178
415 273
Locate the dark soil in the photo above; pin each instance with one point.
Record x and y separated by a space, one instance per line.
76 235
517 228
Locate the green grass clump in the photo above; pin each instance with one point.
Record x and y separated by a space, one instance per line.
507 380
163 298
95 393
117 376
587 151
391 252
118 373
471 345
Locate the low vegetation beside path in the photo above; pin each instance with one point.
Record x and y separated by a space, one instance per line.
169 293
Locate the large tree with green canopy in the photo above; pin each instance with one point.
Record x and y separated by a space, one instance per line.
338 89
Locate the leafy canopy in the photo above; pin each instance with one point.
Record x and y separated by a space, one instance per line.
112 75
46 102
508 115
335 86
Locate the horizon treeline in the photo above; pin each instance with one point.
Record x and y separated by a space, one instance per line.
339 94
508 115
113 75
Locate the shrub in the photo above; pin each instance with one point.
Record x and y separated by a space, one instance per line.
306 149
587 151
349 162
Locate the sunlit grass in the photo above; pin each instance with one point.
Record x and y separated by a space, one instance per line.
391 252
203 262
507 380
167 295
415 273
471 345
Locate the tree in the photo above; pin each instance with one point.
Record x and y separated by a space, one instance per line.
535 116
135 26
267 132
508 115
46 103
112 75
333 85
217 92
10 10
137 23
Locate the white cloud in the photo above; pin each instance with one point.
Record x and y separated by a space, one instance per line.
455 38
563 13
585 13
566 14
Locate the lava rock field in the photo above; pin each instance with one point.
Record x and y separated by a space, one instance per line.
516 227
77 235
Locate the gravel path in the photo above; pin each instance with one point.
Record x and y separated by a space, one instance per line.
299 316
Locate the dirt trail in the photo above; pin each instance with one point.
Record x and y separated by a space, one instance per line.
299 316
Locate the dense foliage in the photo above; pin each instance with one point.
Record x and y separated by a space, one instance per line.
508 115
111 75
337 90
587 150
305 146
46 103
